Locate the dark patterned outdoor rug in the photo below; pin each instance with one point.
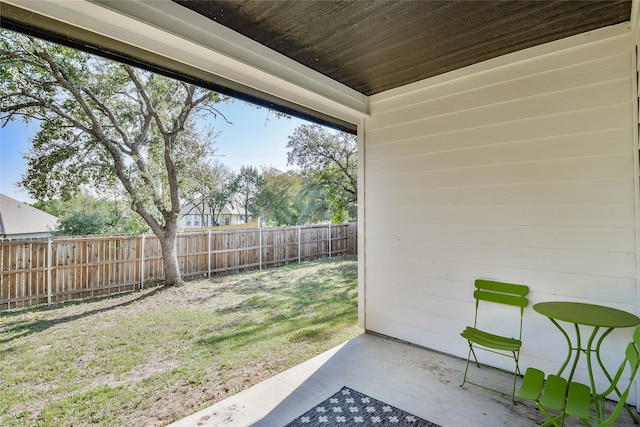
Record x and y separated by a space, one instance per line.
351 408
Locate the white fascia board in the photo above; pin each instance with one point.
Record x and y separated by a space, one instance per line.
168 29
635 19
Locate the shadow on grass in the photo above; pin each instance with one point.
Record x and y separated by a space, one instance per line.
316 329
18 329
310 309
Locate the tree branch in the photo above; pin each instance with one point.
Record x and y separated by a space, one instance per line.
112 118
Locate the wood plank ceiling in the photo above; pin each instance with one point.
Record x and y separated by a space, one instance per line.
373 46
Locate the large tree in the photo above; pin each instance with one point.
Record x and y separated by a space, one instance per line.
212 188
247 187
100 122
276 199
312 201
330 159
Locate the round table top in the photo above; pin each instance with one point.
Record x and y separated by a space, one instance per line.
587 314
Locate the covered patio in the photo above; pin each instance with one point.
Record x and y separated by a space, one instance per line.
497 140
420 381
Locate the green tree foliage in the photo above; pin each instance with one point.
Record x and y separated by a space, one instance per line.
103 122
87 215
212 188
329 160
276 202
312 200
247 188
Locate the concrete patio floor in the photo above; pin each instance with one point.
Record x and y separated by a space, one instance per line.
417 380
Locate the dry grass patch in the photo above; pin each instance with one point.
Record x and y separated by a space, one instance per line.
149 358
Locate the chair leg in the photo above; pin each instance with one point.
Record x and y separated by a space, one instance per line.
557 421
466 369
474 355
516 373
553 421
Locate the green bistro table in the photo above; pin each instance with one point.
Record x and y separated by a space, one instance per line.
596 316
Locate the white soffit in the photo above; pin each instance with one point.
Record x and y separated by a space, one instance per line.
168 29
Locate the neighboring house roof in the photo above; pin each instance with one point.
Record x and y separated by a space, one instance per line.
191 209
17 218
233 210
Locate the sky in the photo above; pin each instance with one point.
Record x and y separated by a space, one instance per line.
256 137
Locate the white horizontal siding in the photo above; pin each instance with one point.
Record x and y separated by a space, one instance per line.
617 240
389 161
583 98
621 265
570 52
447 278
567 192
560 215
520 171
412 139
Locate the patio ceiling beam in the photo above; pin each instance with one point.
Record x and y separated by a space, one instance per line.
167 30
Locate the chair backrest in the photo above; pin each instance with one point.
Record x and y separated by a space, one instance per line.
554 393
501 293
632 359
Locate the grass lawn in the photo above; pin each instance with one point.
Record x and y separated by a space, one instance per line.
152 357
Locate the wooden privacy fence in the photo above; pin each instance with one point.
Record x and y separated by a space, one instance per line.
44 271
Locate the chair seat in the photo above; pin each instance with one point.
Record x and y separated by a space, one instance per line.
487 339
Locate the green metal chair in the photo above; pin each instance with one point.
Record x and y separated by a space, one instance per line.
487 293
575 399
591 409
552 399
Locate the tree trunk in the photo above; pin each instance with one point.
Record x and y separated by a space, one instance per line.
168 240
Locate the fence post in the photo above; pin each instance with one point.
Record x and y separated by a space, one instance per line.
49 266
209 254
299 244
329 240
260 245
142 262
